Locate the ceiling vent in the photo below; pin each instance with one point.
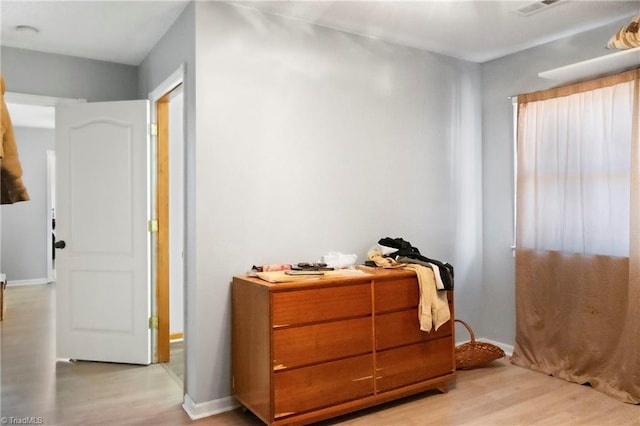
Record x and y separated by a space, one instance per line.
536 7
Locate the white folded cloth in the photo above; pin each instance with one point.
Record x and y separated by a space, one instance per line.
386 250
338 260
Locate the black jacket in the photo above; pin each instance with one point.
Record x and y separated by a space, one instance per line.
405 249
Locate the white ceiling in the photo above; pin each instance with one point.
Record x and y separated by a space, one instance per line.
478 31
114 31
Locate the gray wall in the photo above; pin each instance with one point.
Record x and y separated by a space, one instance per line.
176 48
387 136
511 75
24 225
310 140
48 74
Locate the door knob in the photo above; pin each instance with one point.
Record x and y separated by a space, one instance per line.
60 244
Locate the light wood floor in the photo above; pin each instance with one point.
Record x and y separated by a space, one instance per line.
84 393
175 366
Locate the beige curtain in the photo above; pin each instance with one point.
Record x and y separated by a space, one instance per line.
578 234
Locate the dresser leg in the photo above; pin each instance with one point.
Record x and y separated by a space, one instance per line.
442 388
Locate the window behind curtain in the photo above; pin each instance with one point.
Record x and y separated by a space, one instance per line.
574 172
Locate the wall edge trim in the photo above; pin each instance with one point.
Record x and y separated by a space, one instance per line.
208 408
34 281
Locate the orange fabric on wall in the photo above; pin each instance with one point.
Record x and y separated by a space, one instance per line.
12 189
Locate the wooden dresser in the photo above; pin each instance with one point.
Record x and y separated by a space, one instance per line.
308 350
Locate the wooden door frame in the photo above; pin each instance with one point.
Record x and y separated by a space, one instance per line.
160 99
162 238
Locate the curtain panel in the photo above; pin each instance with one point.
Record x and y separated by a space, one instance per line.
578 234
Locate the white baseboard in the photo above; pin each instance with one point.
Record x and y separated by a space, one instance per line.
35 281
209 408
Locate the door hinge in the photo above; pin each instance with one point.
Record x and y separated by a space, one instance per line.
153 322
153 129
153 225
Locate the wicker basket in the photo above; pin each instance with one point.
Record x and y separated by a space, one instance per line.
474 354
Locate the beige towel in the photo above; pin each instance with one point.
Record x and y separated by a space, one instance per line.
433 309
375 255
12 189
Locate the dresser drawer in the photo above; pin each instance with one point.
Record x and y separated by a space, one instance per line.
321 304
396 294
419 362
322 385
310 344
403 328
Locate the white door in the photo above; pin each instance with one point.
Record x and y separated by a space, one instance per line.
102 273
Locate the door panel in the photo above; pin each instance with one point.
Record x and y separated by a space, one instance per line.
99 164
103 285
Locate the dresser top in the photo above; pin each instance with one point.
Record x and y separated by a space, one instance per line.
339 276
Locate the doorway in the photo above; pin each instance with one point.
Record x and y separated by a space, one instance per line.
28 109
51 215
170 96
168 113
27 227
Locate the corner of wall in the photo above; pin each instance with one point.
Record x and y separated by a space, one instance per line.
208 408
